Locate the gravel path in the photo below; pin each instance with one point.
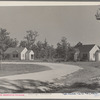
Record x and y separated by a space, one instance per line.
58 71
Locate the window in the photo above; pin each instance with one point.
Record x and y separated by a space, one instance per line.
15 55
85 57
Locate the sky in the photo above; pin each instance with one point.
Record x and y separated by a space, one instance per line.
76 23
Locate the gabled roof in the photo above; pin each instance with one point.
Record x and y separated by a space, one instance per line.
86 48
18 49
29 51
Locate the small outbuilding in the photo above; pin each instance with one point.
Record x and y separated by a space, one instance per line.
29 55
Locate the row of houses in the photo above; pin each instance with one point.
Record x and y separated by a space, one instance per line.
90 52
19 53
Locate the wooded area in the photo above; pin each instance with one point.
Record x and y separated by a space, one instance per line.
42 50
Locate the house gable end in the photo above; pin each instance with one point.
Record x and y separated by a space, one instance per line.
92 53
95 47
24 50
23 53
32 52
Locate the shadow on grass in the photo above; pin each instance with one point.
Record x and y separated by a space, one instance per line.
35 86
94 85
22 86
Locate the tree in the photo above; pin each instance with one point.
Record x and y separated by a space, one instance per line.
45 47
40 49
30 39
35 50
6 41
48 50
51 52
43 50
23 44
59 51
62 49
65 47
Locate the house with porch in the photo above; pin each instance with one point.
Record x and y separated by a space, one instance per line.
87 52
19 53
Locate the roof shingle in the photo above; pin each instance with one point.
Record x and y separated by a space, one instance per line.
86 48
10 50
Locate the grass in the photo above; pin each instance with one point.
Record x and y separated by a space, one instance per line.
14 69
90 69
21 86
81 80
81 88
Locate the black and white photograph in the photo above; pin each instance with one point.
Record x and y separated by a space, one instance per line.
49 49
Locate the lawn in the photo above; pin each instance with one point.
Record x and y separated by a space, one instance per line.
14 69
81 80
90 70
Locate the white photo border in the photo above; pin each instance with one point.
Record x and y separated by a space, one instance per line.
50 95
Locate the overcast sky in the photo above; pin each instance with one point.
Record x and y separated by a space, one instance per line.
77 23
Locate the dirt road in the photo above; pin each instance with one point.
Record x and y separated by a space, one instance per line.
58 71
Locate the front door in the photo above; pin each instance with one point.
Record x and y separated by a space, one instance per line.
32 56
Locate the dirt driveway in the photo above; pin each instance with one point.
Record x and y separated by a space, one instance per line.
58 71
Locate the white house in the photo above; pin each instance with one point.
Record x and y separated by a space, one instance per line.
88 52
18 53
29 55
